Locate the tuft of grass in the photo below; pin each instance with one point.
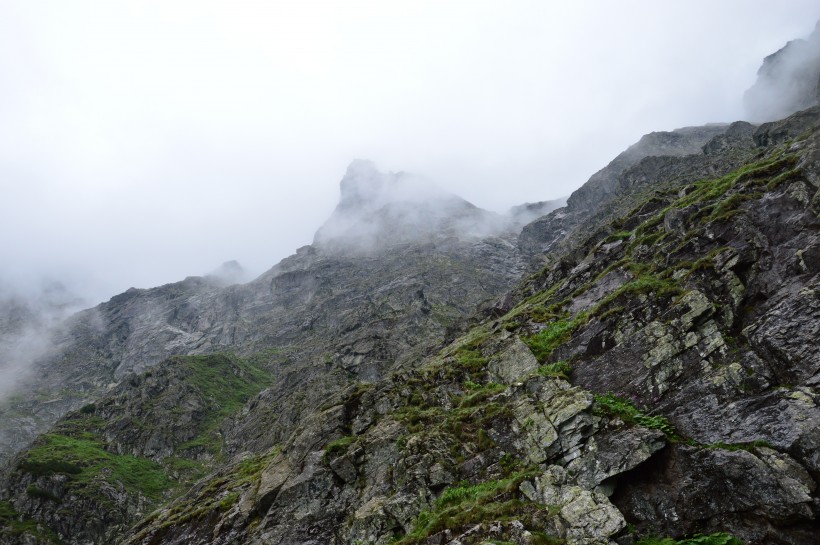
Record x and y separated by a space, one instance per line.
338 447
558 369
619 235
551 337
464 504
620 407
739 446
644 284
478 395
471 359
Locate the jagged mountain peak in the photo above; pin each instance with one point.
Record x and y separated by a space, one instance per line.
378 210
365 187
230 272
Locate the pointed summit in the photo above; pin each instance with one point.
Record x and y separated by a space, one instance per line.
362 184
378 209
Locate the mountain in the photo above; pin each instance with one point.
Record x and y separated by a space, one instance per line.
354 311
641 362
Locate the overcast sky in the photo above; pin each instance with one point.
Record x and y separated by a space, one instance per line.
144 141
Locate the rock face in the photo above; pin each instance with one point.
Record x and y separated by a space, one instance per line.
657 374
610 192
788 81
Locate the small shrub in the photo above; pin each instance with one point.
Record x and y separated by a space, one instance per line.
49 467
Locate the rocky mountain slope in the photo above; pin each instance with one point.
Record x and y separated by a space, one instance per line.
664 383
329 312
654 374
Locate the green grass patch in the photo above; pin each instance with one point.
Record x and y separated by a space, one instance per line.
339 446
464 504
84 460
626 411
226 382
551 337
558 369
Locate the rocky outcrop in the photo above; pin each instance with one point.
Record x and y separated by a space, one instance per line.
111 463
678 143
657 160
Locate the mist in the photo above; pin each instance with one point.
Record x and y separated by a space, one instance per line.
30 317
142 141
787 81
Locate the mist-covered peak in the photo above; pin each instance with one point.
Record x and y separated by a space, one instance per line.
788 81
364 186
378 209
230 272
363 183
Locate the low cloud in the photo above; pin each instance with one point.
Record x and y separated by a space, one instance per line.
379 209
30 316
788 81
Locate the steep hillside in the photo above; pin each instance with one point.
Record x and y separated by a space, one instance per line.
663 383
110 463
669 355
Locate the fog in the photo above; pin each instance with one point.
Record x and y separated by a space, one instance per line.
30 317
145 141
787 81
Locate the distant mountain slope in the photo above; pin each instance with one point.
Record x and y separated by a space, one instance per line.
329 310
